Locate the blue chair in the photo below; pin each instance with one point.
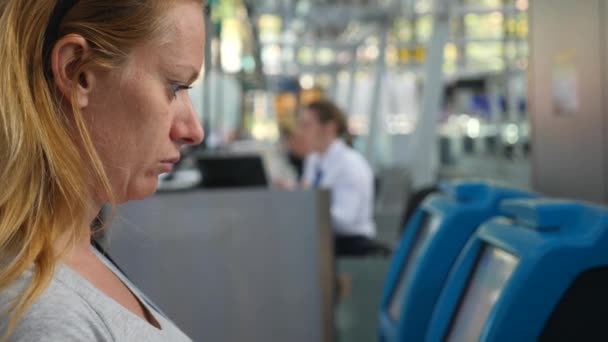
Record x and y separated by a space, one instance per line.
542 276
434 237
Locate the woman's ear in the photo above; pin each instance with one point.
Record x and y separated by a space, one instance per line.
68 53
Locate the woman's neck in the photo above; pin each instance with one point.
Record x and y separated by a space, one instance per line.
75 250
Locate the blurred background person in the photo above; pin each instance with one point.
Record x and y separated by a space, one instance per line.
297 150
335 166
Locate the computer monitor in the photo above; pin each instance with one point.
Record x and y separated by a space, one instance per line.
540 276
490 275
428 248
231 171
428 228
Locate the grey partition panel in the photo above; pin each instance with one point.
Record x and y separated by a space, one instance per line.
233 266
568 151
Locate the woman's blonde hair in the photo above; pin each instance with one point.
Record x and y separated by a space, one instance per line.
48 164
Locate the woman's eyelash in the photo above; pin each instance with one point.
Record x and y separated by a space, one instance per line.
177 87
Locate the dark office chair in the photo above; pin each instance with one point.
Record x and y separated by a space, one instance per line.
414 202
357 246
527 148
446 157
491 142
508 151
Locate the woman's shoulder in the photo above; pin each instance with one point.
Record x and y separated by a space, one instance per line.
60 314
353 159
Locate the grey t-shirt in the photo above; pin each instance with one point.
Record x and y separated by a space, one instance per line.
72 309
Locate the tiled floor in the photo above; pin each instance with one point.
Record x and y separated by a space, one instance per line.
357 311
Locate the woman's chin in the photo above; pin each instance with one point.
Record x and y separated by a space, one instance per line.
141 190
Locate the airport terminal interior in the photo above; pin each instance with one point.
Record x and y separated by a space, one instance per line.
483 123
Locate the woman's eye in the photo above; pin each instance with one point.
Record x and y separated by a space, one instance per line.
175 88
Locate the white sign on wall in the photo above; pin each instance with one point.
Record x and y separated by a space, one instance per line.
564 86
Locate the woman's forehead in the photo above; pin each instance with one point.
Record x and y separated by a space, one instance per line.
182 44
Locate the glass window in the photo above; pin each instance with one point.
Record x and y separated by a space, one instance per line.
405 55
325 56
270 28
423 6
521 30
424 27
484 25
305 56
420 54
392 55
323 80
288 54
522 5
231 45
511 50
484 3
511 26
403 30
343 57
271 58
450 55
524 49
485 56
367 53
455 30
450 52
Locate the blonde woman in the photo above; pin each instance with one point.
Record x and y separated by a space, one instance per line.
93 107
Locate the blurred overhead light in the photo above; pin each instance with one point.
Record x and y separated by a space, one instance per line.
358 124
325 56
343 57
307 81
231 56
305 56
400 124
511 134
522 5
271 59
450 52
496 18
423 6
372 52
392 55
473 128
231 46
270 28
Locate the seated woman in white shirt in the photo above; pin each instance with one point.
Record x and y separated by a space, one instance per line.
344 172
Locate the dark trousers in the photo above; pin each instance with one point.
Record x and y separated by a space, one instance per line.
354 246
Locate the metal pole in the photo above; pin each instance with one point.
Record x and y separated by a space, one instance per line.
512 74
334 84
352 81
424 139
462 33
374 110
